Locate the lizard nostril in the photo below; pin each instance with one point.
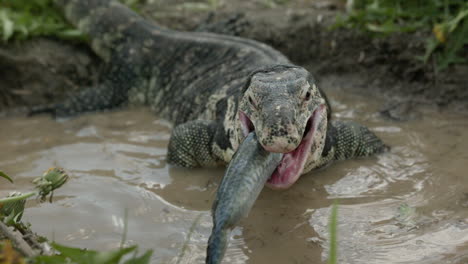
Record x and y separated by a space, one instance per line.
252 102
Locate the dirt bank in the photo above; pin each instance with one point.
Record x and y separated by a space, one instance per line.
45 70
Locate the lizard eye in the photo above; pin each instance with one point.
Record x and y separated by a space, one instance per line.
307 96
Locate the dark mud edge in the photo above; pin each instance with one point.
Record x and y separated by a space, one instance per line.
45 70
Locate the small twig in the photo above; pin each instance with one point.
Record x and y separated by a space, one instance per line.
44 247
18 241
187 240
125 229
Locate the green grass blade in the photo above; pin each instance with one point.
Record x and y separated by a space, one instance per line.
333 228
125 228
3 175
445 18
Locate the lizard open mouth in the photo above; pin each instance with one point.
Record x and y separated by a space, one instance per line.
291 166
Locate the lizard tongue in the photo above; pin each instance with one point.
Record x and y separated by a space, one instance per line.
292 164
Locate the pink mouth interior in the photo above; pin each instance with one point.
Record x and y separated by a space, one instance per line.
292 164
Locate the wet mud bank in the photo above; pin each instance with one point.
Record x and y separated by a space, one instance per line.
41 71
387 66
45 70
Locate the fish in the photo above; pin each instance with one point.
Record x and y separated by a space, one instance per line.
243 181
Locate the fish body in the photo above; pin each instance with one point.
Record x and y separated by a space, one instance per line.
245 177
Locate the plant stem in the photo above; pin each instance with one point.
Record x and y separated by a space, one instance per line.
333 226
17 198
17 238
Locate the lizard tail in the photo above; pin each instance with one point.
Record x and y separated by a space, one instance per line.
108 23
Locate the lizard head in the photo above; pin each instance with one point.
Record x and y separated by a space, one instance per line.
289 115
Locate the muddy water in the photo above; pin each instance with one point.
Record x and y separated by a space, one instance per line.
406 206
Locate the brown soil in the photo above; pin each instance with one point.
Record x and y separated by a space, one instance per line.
41 71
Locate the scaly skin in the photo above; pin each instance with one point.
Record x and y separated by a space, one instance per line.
215 89
245 177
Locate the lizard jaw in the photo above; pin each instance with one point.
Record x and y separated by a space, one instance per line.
292 164
246 124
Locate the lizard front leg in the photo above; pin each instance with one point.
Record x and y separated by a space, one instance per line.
347 139
191 145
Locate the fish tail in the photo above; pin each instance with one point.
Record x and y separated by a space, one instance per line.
217 245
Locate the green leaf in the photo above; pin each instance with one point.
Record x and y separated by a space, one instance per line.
3 175
82 256
52 179
77 255
143 259
8 25
57 259
13 218
431 46
16 197
70 34
112 257
12 209
454 23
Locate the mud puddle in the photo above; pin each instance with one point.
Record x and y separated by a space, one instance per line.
406 206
